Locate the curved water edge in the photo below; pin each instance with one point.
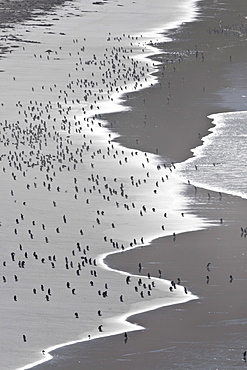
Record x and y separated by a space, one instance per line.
101 134
119 324
219 164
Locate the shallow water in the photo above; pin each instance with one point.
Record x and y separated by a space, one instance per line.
220 162
68 195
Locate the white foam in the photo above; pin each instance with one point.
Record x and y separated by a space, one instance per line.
219 163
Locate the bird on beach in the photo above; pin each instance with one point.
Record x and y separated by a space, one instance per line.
125 337
54 207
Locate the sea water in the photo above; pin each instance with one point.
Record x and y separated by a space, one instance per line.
69 196
219 164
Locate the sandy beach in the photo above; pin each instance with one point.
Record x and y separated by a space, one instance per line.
69 195
208 333
195 79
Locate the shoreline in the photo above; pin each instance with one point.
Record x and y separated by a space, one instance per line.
170 157
219 207
28 187
194 67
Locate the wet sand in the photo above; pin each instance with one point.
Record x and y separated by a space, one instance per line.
14 11
208 333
